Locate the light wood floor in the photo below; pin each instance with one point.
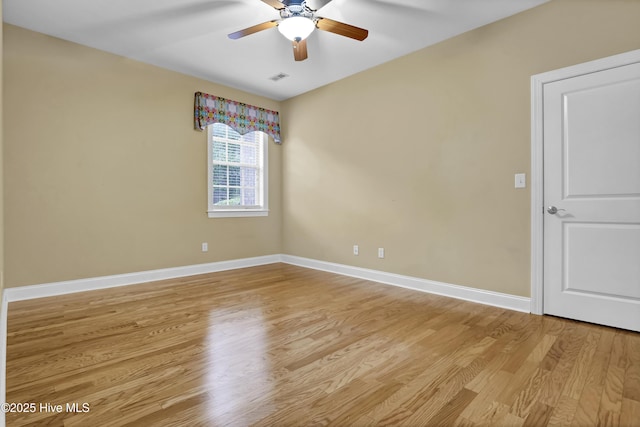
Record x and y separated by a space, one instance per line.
280 345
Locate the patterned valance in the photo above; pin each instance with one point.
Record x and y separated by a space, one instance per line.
242 118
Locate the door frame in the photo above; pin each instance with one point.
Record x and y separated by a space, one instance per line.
537 164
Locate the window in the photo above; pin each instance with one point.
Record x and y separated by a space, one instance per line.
237 173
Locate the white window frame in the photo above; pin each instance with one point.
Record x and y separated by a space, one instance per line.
238 211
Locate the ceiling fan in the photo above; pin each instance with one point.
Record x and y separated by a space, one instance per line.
297 21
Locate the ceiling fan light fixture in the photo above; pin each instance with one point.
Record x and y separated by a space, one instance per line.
296 28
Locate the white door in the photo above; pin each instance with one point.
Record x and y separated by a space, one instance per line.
591 244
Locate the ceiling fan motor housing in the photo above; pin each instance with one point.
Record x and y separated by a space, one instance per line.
295 5
296 8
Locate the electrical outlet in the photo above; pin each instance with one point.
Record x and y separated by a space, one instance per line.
380 252
205 247
356 250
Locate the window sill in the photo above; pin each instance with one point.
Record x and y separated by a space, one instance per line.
239 213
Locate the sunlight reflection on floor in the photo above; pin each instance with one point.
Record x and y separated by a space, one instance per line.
239 366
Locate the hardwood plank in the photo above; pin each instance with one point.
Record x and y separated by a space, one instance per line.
611 400
577 378
630 412
572 339
497 414
631 388
564 411
448 390
528 374
538 416
285 345
450 412
476 410
589 403
526 398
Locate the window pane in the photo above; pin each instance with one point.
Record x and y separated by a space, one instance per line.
219 151
220 130
220 196
249 197
249 176
234 196
234 175
234 153
251 137
220 175
249 154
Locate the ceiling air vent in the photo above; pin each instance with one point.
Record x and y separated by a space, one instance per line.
278 77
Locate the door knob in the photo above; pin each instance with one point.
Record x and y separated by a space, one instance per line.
553 210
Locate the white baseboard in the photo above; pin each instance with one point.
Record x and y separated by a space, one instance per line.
495 299
94 283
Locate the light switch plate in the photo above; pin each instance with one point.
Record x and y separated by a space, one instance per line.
521 180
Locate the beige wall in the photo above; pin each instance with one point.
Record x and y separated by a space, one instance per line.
418 155
104 173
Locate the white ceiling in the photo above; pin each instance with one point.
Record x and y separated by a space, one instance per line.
190 36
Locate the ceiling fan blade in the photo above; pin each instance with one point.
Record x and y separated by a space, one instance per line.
300 50
326 24
254 29
317 4
274 4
